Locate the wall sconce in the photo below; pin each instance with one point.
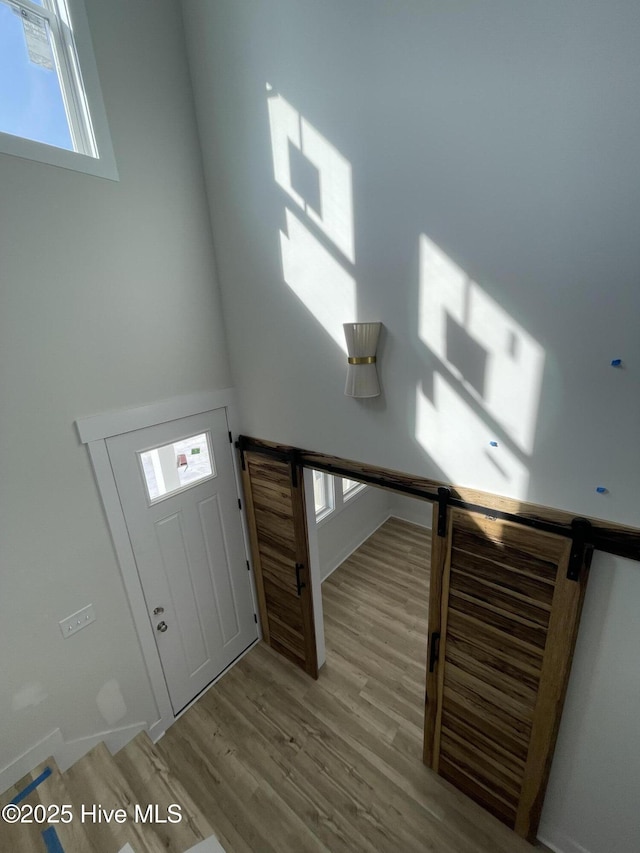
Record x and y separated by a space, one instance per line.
362 341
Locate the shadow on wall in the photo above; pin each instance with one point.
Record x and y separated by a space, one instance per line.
477 402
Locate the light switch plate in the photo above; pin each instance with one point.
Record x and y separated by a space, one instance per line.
74 623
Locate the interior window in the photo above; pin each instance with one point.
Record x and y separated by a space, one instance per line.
331 493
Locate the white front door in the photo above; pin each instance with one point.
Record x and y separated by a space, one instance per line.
178 493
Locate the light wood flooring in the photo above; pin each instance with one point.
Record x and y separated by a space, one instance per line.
278 762
274 762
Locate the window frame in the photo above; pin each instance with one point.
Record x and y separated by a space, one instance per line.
337 497
170 493
350 492
81 94
328 507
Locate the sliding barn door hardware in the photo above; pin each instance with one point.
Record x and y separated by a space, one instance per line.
244 444
294 462
444 498
585 537
581 548
240 447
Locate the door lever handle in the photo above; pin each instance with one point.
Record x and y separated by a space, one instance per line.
299 583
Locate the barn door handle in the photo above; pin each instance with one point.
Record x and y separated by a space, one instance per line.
434 648
299 583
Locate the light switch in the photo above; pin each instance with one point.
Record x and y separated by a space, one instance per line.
72 624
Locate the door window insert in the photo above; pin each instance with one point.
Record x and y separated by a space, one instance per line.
175 467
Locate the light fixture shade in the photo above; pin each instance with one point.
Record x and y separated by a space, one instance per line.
362 376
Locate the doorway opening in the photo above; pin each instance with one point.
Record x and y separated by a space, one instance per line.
374 549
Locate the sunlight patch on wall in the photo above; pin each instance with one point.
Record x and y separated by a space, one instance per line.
332 209
317 245
318 280
458 440
493 357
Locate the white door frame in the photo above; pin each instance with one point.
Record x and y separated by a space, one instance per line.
93 431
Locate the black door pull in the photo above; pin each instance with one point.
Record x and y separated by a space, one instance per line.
434 648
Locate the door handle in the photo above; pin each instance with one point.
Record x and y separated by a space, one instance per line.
434 650
162 627
299 583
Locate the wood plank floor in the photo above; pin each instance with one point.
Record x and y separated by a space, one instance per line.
278 762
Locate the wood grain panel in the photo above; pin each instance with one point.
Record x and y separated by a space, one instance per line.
514 578
506 621
508 618
502 598
278 534
506 646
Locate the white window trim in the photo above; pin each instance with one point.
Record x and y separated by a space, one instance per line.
353 491
340 500
330 491
88 98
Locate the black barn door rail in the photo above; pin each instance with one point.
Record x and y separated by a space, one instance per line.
586 535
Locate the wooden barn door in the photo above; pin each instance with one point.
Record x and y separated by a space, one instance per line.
502 626
274 492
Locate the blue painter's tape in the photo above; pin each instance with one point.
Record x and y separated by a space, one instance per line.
31 787
50 837
601 490
616 362
493 443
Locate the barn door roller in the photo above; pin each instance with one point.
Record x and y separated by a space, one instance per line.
581 548
444 496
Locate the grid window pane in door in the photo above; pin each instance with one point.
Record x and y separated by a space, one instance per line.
177 466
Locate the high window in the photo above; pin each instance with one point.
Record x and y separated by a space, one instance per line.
51 107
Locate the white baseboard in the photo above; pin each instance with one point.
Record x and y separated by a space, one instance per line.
35 755
408 520
559 841
157 730
65 753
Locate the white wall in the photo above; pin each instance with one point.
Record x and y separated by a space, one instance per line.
410 509
352 522
340 533
491 143
108 300
500 131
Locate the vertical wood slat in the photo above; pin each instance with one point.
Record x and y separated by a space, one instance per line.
276 515
556 667
255 552
515 612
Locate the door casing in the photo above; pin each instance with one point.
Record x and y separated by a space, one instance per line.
190 553
93 431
